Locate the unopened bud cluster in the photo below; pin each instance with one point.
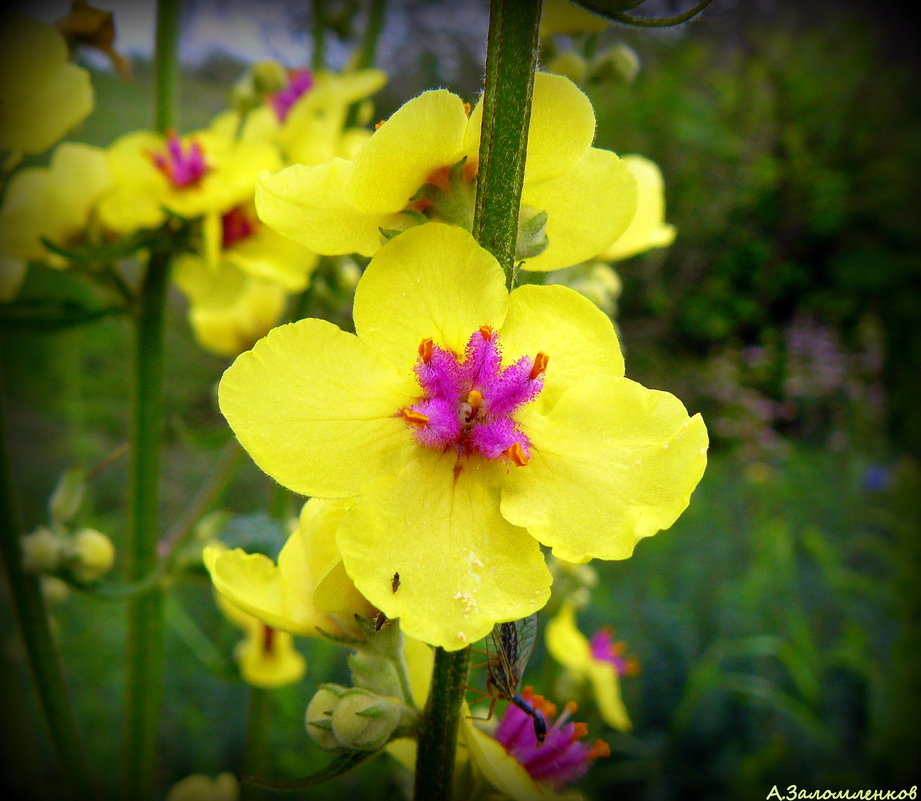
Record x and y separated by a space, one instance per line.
354 718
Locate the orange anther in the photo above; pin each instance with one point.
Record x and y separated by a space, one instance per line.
579 730
571 707
378 124
425 350
486 332
540 364
467 109
516 454
599 749
474 399
415 418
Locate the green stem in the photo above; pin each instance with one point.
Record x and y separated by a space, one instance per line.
438 737
318 31
368 52
144 674
511 57
258 719
41 650
144 659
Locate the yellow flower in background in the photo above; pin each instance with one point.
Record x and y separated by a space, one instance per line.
238 288
42 95
601 662
306 115
198 787
471 426
430 144
648 228
54 202
203 173
560 17
307 590
266 656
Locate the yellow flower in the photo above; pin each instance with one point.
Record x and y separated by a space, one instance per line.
267 656
53 202
307 590
598 661
430 144
238 289
565 17
464 459
648 228
199 787
204 173
42 95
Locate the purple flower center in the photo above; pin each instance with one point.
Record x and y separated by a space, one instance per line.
183 167
299 81
604 649
469 400
562 757
236 225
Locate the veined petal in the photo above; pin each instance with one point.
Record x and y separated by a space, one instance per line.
432 280
611 463
587 208
462 567
317 410
562 128
578 338
425 133
308 204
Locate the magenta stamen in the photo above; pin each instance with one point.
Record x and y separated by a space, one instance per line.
299 82
183 169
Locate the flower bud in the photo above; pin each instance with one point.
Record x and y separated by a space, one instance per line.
42 551
268 76
571 64
319 714
54 590
363 721
90 555
199 787
619 62
67 496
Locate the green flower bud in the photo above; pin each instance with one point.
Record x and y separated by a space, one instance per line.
67 496
319 715
90 555
268 76
619 62
54 590
532 233
364 721
571 64
42 551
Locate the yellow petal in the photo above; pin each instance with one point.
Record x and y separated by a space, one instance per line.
562 128
462 568
317 410
587 209
566 644
425 133
432 280
606 688
576 335
648 228
269 659
269 255
12 274
612 462
308 204
42 95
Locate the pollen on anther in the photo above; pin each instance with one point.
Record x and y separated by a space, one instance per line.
425 350
487 332
540 364
475 398
415 418
516 454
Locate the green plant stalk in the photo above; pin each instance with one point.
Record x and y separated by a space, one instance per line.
41 651
145 657
258 720
511 58
144 673
318 35
368 52
438 735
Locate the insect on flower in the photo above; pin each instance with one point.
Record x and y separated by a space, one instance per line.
509 648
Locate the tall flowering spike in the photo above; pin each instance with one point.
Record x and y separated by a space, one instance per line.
464 454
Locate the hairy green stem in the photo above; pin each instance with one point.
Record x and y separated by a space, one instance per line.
28 606
438 737
318 35
166 113
511 57
368 52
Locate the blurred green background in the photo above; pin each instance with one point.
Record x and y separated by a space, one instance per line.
777 623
